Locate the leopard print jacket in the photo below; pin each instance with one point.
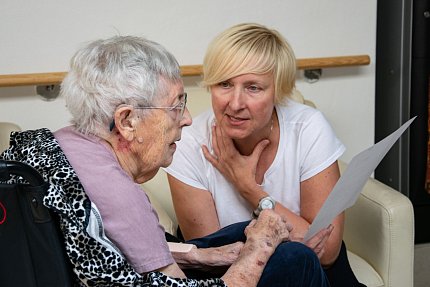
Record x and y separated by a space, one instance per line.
93 262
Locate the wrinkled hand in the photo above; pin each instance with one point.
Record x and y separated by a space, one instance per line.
224 255
239 169
318 241
269 229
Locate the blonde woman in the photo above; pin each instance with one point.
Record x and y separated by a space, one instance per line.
257 149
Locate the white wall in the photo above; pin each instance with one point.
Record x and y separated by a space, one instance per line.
41 36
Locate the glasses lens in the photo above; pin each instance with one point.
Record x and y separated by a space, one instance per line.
184 105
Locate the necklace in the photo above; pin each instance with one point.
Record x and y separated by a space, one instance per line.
271 128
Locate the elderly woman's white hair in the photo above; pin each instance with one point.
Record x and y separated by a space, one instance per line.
119 70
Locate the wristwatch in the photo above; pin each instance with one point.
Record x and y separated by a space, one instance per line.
265 203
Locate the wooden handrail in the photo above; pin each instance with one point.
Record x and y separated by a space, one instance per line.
42 79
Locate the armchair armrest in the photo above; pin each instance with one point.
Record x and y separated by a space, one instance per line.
5 130
380 229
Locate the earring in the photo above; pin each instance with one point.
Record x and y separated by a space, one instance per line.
139 139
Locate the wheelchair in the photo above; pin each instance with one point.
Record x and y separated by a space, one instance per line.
31 244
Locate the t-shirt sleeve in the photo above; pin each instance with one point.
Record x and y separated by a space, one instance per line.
319 146
131 223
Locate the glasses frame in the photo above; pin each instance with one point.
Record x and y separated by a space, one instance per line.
179 106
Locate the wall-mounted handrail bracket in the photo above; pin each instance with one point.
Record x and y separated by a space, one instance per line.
48 92
312 75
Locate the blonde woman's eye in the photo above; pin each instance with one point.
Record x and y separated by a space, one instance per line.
254 89
224 85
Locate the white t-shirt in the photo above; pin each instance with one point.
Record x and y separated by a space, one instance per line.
307 146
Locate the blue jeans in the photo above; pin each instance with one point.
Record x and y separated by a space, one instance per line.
292 264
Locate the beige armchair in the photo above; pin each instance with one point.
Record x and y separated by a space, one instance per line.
5 129
379 234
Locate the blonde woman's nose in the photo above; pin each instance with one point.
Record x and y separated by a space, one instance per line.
237 99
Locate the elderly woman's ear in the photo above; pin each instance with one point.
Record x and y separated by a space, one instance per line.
125 122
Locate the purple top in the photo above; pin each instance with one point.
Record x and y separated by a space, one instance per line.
129 220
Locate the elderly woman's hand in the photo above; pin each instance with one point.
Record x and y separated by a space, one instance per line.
263 236
269 229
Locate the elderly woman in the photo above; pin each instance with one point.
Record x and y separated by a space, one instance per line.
128 108
257 149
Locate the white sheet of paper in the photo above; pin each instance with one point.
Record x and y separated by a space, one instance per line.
180 247
350 184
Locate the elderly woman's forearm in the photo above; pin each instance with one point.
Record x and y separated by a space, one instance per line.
208 258
247 270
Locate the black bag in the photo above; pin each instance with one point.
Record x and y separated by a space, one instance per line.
31 247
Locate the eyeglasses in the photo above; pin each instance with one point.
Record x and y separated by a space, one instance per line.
179 106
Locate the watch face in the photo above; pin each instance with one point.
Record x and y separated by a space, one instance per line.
266 203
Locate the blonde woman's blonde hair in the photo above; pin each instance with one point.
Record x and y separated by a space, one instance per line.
251 48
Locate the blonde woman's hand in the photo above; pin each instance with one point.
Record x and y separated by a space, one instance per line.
239 169
318 241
